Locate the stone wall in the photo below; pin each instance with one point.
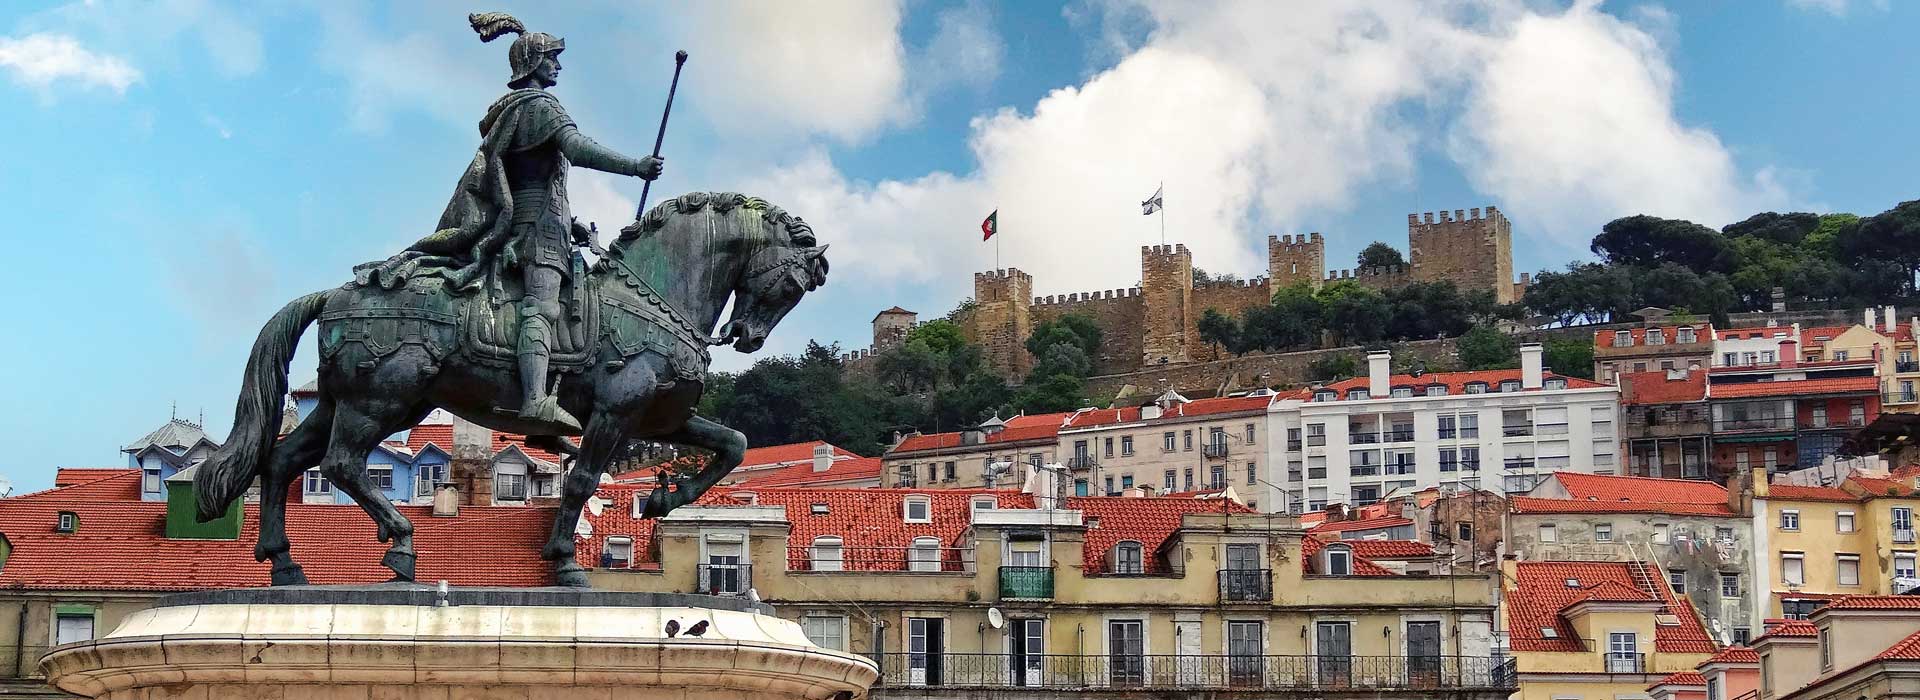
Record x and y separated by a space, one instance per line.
1116 311
1292 259
1379 278
1279 369
1230 298
1469 249
1002 319
1166 277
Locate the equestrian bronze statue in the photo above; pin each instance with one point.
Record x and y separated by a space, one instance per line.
497 318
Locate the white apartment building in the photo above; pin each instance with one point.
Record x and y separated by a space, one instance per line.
1359 440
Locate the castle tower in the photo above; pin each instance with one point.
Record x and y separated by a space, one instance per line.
1002 319
890 327
1474 251
1166 283
1292 259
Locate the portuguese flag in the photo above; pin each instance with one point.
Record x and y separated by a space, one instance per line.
990 226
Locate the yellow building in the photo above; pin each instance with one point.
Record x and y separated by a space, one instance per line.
1854 647
966 589
1597 630
1815 543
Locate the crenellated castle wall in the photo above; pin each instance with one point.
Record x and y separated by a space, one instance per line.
1110 309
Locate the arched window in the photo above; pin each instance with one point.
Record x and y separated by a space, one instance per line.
1339 560
828 554
1129 558
617 554
924 555
917 509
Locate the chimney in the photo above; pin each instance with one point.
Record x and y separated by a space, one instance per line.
1871 323
822 457
1379 374
1887 320
471 467
1789 352
1779 300
446 500
1530 366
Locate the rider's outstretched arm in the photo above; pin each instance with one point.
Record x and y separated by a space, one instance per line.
587 153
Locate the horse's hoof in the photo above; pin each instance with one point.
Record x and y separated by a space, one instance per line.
571 576
289 575
400 562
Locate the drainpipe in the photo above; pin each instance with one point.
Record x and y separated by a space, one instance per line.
20 643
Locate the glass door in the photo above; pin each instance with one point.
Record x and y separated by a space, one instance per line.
1029 642
1423 654
1126 652
926 647
1333 649
1246 650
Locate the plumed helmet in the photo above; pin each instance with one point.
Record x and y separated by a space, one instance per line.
527 50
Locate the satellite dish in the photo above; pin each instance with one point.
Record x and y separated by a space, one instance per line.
995 619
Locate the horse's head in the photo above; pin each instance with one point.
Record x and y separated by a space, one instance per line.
779 271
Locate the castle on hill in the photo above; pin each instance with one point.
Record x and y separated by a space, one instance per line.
1156 323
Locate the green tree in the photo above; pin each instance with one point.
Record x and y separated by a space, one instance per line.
1425 310
789 399
1486 348
1590 292
1333 367
1379 254
1357 314
1077 330
1786 229
1054 392
1889 236
1650 240
1203 277
1569 357
1219 330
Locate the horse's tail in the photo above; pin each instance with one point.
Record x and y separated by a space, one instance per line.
256 416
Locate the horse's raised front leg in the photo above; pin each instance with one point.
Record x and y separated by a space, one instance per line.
301 449
728 447
602 438
354 437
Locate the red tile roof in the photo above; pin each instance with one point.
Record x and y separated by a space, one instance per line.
1653 388
1809 493
1528 505
1148 520
838 472
936 441
1311 547
1024 421
1366 524
1600 487
1795 387
1198 407
1811 337
74 476
787 454
1540 593
1456 382
121 486
1789 628
441 435
1735 654
1905 650
1873 602
121 545
1390 549
1605 338
1681 678
1897 484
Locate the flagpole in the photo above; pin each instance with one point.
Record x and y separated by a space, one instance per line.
1162 189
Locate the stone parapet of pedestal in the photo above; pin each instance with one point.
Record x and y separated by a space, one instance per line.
389 646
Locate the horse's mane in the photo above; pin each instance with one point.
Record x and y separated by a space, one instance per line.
797 231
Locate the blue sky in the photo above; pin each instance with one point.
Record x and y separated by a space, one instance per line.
178 169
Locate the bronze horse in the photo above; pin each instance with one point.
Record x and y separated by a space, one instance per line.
388 357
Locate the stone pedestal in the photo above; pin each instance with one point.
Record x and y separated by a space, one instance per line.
405 642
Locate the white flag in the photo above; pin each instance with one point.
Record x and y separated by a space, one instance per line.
1154 203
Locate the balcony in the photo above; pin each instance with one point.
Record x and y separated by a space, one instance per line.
1026 583
1083 461
1399 435
1754 425
1293 445
1516 430
1626 662
1398 469
1902 536
880 559
1246 586
1214 450
1363 438
1234 672
724 579
1906 366
1900 397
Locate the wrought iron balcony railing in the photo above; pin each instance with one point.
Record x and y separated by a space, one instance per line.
1246 585
1214 449
1626 662
1026 583
725 579
915 559
1133 672
1085 461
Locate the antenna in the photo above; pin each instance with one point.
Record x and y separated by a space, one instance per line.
995 618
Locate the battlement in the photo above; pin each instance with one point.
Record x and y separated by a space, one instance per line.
1456 216
1360 273
1078 297
1231 284
1287 242
1010 273
1175 249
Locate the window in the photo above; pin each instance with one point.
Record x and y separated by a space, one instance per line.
1108 449
1253 473
1713 686
1843 521
1126 481
1166 442
1293 439
1555 384
826 630
1463 531
1186 439
1436 390
1187 479
1110 490
1316 434
1792 569
1217 478
1903 565
1819 416
1656 336
1547 534
1128 558
916 510
1080 487
1027 553
1902 518
317 483
510 481
1848 569
72 626
1729 584
1126 651
1677 580
924 555
950 472
1661 533
1402 392
617 554
1246 649
1771 456
1359 394
1366 495
933 472
984 503
1469 425
1685 335
381 475
829 554
1509 386
1449 459
1826 649
1623 339
1789 520
1742 636
68 521
425 476
1793 609
1169 485
1339 560
1603 532
1448 427
150 480
1249 430
726 572
1126 445
1723 534
1840 355
1623 653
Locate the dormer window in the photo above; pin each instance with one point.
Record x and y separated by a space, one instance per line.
1623 339
150 480
818 508
924 555
68 522
1436 390
1556 384
917 509
1656 336
1325 395
1129 558
828 553
1402 392
1476 387
617 554
1685 335
747 497
1358 394
1509 386
1339 560
980 503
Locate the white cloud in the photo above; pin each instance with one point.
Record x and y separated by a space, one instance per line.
1838 8
964 48
1259 116
386 74
835 68
155 29
41 60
